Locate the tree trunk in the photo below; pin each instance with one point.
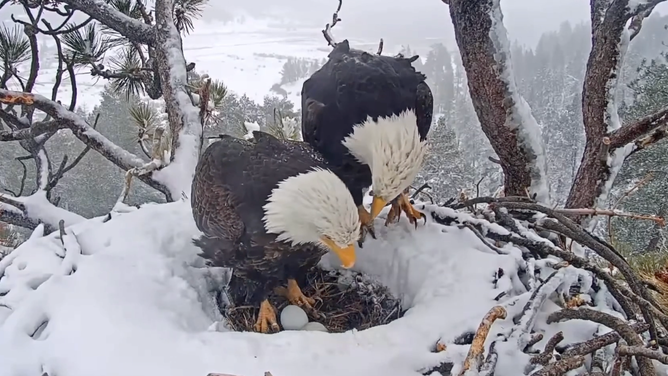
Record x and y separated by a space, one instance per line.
504 116
600 84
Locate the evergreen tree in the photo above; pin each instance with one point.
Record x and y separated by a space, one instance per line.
444 168
438 69
651 94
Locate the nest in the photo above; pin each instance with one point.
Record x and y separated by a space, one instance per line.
344 301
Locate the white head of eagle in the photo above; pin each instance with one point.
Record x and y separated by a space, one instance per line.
392 149
315 207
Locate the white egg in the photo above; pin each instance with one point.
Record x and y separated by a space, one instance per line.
293 318
314 326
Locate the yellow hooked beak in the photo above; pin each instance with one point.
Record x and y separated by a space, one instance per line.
346 255
376 206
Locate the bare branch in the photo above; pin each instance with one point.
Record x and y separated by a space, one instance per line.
639 128
38 128
612 213
23 177
327 32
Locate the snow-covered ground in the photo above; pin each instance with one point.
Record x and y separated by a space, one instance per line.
139 302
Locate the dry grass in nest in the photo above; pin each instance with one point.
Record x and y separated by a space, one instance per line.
343 302
652 268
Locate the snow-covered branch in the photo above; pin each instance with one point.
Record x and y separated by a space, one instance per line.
504 115
185 124
631 132
130 28
607 141
82 130
32 210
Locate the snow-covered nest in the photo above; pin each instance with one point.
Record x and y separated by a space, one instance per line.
136 300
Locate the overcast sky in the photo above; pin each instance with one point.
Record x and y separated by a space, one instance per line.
524 19
399 21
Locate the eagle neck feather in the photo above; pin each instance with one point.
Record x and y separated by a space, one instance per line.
392 149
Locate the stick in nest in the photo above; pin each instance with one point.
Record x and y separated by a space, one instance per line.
544 357
625 331
474 358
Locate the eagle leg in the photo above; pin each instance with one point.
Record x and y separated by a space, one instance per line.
403 204
395 212
266 319
295 295
366 225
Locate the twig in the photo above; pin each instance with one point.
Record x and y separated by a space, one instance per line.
420 189
23 177
126 188
626 194
327 32
611 213
479 235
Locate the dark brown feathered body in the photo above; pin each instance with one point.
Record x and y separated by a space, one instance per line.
352 86
233 180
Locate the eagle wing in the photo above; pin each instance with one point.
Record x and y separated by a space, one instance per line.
213 204
234 179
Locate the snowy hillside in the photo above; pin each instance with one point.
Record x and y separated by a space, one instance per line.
135 300
247 57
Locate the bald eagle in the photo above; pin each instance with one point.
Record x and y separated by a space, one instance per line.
369 115
270 210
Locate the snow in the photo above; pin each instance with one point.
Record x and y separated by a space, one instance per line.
38 206
251 126
520 118
178 174
43 173
139 302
